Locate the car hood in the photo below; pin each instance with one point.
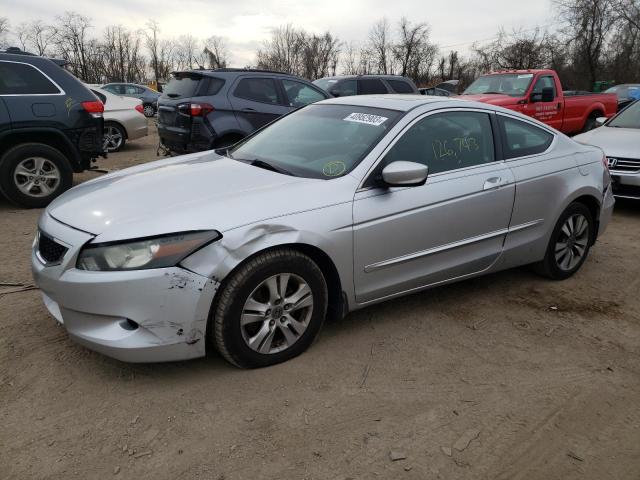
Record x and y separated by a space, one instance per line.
616 142
202 191
492 99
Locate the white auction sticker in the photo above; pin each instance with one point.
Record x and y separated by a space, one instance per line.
367 118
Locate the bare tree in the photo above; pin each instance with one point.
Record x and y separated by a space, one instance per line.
320 55
518 50
185 52
588 23
4 31
152 42
381 46
72 42
215 48
40 36
413 51
21 33
283 51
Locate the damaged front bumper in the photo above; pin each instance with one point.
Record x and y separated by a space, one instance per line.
153 315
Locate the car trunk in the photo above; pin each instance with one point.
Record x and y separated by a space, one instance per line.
174 121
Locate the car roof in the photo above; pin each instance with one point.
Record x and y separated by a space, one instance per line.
400 102
385 76
17 55
232 72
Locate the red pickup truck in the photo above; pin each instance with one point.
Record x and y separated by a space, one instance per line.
538 93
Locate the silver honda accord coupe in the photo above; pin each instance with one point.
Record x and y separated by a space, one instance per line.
334 207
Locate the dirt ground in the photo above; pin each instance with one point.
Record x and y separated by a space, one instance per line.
508 376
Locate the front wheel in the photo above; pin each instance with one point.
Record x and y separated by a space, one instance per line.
270 310
570 243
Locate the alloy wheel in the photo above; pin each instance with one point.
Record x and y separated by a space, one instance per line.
148 111
112 139
37 177
572 242
277 313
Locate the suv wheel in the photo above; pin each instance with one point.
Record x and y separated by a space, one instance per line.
569 244
113 137
148 110
33 174
270 310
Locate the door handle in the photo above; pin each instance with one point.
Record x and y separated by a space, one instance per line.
559 106
493 182
249 110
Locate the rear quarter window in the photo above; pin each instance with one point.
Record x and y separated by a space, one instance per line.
214 85
368 86
24 79
521 139
400 86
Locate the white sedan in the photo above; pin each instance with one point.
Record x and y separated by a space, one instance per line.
123 119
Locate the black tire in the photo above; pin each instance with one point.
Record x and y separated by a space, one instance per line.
224 330
114 127
148 110
550 267
10 186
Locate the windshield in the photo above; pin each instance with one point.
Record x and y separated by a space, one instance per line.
512 84
318 141
627 118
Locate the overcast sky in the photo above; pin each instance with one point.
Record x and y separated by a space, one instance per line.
246 23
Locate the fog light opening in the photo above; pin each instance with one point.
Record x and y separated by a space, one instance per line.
129 324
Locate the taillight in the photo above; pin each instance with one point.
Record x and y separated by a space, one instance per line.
201 109
94 107
140 109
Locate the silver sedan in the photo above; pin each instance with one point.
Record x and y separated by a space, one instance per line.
620 140
339 205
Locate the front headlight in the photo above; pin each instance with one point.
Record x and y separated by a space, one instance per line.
154 252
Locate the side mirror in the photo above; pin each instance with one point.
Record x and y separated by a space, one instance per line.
404 174
334 92
600 121
547 95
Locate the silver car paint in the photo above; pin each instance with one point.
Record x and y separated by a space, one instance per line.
617 143
382 242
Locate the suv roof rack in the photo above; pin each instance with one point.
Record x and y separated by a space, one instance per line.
258 70
17 51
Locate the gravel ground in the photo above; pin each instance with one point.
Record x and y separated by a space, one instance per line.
509 376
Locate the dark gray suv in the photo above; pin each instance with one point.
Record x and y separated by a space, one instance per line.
148 96
346 85
205 109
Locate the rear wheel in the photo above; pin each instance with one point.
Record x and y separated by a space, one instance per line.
148 110
269 310
570 243
114 137
33 174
